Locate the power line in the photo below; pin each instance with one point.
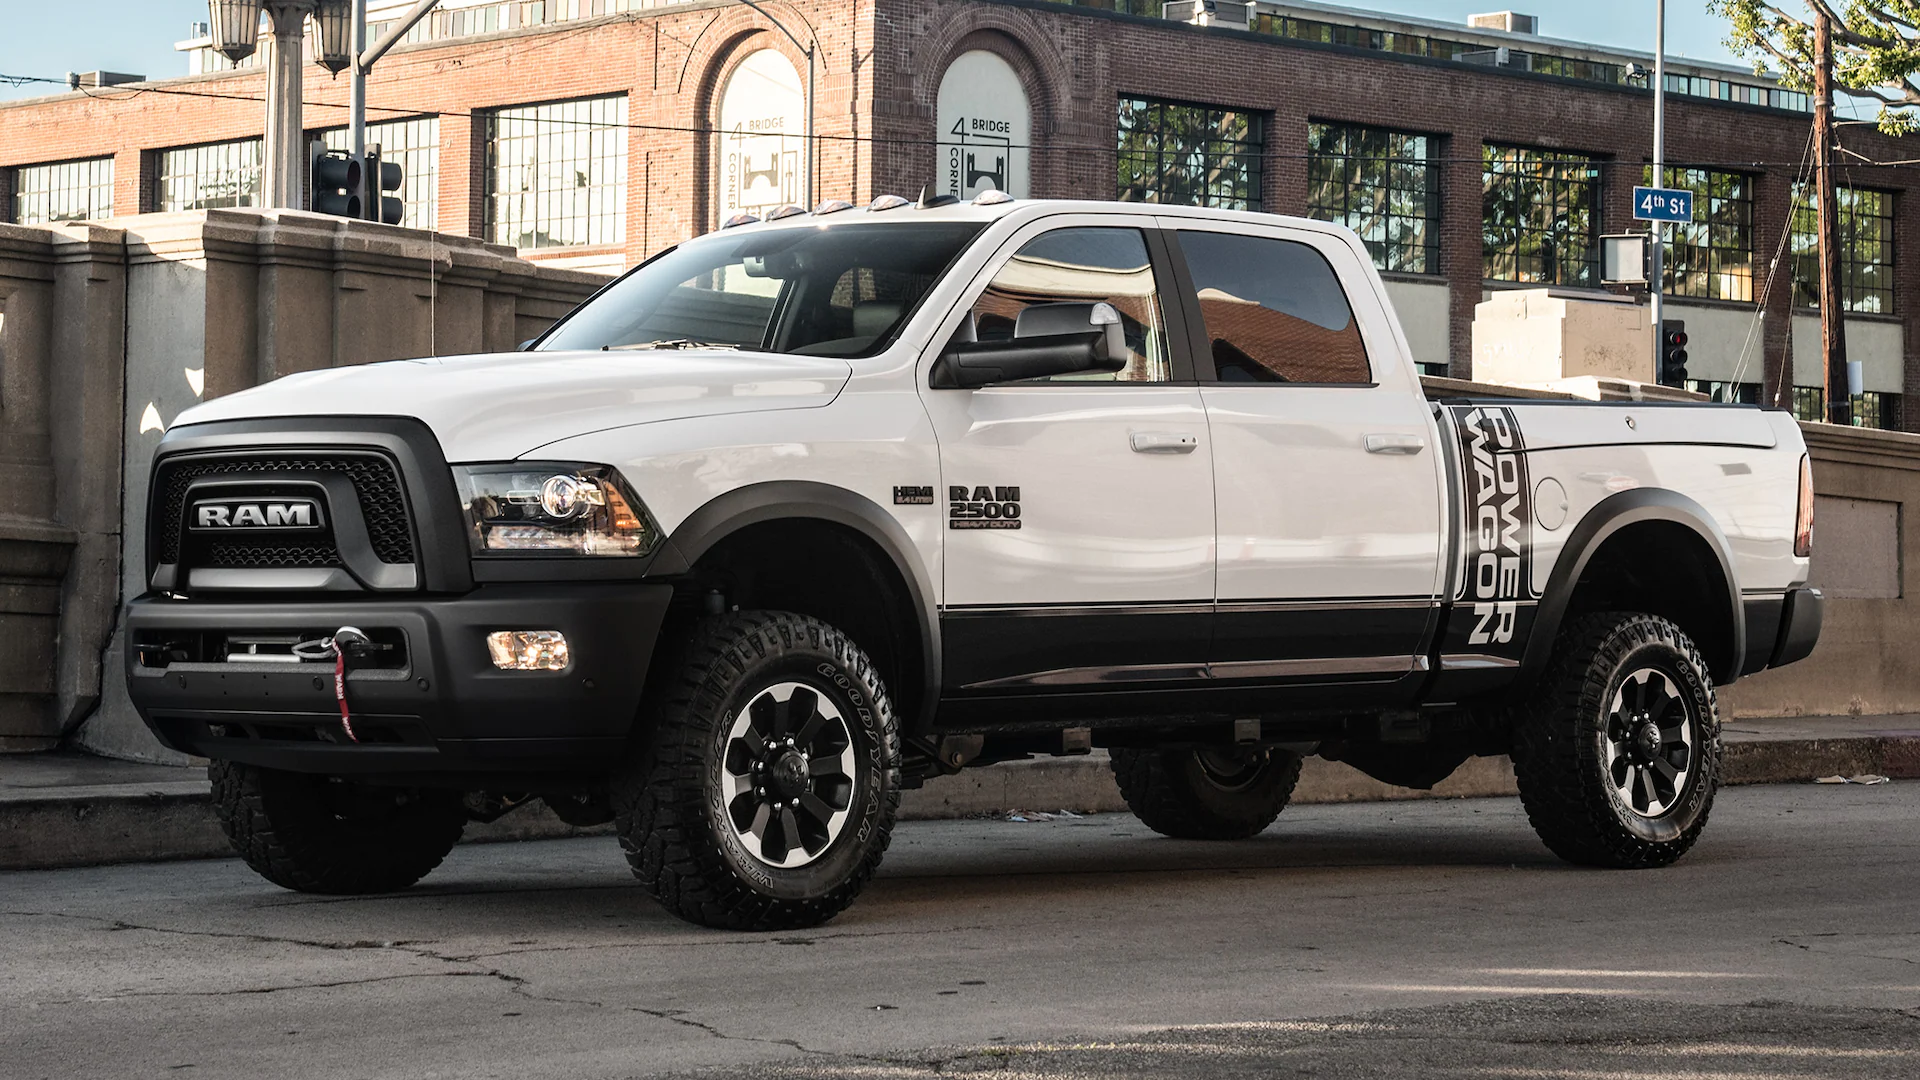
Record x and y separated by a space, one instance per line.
126 92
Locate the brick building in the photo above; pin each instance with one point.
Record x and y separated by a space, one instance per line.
592 133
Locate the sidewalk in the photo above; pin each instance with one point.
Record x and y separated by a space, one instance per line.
64 809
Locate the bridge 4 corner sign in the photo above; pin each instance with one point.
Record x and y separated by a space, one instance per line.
985 128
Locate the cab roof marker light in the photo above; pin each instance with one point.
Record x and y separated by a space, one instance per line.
887 202
786 211
740 219
831 206
992 197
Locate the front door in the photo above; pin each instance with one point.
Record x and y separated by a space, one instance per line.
1079 540
1328 484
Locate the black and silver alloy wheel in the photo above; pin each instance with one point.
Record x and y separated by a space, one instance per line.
1649 749
788 772
1618 751
765 791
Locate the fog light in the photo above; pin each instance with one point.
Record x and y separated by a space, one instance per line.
528 650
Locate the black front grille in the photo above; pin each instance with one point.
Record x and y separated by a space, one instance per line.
251 555
375 481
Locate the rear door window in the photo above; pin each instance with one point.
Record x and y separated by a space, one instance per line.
1273 311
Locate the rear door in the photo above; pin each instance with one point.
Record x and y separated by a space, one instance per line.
1328 484
1079 542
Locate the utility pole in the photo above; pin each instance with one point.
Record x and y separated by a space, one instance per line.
286 150
1833 335
1658 271
357 97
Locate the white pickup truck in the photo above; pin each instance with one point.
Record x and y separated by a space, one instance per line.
812 509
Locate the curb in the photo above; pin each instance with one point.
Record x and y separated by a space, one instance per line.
100 824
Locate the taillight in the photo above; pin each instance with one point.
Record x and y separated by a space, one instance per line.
1803 523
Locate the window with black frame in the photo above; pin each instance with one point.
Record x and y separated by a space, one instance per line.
1711 257
211 175
557 173
1540 219
63 191
1189 155
1866 250
1380 184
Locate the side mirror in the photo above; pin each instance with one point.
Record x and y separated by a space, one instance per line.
1048 339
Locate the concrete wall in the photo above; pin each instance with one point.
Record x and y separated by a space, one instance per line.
1868 484
109 332
1878 343
1426 316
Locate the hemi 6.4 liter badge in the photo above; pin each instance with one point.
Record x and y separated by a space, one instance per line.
913 495
221 514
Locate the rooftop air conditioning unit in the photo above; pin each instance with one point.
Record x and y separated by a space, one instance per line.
1510 21
1223 13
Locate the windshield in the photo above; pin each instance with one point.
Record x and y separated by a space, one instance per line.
843 290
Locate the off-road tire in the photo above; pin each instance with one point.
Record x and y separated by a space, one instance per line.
672 814
1174 794
1560 744
317 834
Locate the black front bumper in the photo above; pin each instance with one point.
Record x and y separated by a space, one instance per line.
433 705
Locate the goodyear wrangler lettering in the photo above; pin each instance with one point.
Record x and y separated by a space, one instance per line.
1496 527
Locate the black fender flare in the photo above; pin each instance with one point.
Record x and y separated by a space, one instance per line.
773 500
1612 514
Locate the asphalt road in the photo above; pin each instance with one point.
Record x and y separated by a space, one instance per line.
1392 940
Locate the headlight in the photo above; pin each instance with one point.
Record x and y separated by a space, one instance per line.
548 508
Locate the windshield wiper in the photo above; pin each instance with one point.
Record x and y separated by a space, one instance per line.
672 343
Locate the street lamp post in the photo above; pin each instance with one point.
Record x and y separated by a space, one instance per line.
808 49
1658 269
285 153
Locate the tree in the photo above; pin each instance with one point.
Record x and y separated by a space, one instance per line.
1876 47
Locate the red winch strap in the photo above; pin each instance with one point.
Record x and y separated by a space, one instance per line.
340 689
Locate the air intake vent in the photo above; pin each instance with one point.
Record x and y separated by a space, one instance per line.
1511 21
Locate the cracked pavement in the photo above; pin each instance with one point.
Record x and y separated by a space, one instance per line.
1388 939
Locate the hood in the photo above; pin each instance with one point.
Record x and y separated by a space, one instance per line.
496 407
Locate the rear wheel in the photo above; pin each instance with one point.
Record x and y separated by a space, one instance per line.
1618 753
767 793
1213 793
322 834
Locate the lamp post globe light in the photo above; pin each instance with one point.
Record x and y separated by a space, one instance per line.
235 27
333 45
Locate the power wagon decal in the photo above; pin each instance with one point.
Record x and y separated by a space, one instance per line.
1493 595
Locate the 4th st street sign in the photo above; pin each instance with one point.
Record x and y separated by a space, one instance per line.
1662 204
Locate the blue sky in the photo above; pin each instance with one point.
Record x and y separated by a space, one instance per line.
52 37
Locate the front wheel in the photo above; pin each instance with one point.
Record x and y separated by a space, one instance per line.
322 834
766 793
1618 752
1213 793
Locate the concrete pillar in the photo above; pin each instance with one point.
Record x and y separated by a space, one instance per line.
286 150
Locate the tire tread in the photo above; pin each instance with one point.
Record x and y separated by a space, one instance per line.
1553 761
658 803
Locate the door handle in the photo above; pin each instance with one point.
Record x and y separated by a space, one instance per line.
1395 444
1164 442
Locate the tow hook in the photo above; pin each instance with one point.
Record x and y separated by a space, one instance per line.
344 645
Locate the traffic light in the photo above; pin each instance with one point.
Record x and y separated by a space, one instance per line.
1673 353
336 183
382 177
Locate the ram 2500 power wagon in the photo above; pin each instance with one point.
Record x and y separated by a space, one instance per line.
811 509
